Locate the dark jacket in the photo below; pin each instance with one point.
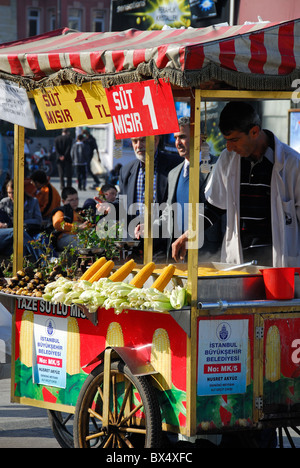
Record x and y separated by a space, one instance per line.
212 236
4 218
63 145
128 186
79 154
129 173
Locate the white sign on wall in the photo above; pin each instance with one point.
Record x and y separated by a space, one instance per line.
15 106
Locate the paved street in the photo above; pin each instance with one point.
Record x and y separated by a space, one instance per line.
23 426
26 426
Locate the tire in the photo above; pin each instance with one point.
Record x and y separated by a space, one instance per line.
62 428
133 433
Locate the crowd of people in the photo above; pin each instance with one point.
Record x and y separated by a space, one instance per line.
251 199
76 155
47 213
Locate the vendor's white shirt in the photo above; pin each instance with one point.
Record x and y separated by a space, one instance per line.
223 191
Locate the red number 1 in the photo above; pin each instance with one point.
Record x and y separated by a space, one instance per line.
80 98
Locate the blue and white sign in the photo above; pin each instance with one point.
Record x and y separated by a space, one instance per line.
222 357
50 351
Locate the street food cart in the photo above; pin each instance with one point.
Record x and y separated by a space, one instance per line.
228 362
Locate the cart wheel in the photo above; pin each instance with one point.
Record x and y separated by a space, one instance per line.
128 427
62 428
286 436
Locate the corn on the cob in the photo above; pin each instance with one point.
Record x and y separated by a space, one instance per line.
142 276
26 338
273 351
73 347
93 269
164 278
103 272
161 357
114 335
123 271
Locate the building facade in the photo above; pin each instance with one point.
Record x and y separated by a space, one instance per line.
39 16
26 18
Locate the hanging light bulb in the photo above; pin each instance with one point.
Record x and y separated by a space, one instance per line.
205 165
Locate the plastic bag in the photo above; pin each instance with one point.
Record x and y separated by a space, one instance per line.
96 166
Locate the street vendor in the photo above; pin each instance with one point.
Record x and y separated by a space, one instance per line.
256 182
132 177
67 221
176 221
132 186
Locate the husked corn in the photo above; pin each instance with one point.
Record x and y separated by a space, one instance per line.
161 357
114 335
73 347
123 271
90 272
103 272
142 276
273 358
164 278
26 338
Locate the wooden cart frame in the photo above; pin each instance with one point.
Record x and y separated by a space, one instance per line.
259 312
195 96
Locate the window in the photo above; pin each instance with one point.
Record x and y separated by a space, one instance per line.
52 19
33 22
75 19
98 21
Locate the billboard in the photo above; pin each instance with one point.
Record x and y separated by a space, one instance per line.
146 15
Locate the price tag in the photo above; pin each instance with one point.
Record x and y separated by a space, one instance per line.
142 109
72 106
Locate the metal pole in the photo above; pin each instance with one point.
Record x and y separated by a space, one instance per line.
149 176
192 283
19 163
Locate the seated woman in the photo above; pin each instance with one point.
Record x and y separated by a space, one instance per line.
67 221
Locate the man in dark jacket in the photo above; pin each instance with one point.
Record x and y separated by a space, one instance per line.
132 183
63 145
173 220
79 154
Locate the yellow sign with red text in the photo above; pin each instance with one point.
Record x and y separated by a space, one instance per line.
71 106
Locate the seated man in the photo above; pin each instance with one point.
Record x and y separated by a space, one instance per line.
32 222
67 221
107 195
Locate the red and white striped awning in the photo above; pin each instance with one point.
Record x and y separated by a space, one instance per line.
254 56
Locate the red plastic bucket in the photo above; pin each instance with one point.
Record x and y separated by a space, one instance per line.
279 283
